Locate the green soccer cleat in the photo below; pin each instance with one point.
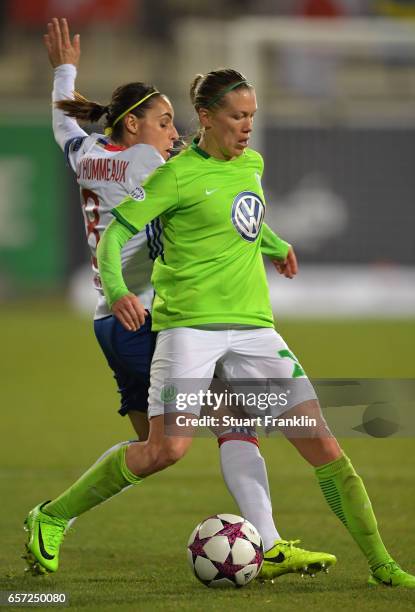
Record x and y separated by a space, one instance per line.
390 574
285 558
46 534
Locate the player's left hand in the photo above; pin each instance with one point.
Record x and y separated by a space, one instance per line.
130 312
60 48
288 267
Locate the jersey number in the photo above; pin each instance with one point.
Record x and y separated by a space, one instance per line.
90 208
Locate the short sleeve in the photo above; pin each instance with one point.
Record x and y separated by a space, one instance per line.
145 159
157 195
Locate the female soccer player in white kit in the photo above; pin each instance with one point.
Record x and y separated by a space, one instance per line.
140 122
108 168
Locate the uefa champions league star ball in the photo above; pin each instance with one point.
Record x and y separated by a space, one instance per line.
225 550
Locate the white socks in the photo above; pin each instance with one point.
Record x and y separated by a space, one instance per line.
245 475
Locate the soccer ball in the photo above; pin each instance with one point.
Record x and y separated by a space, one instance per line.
225 550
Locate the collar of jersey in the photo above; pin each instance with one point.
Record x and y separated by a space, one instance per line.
109 146
202 153
195 147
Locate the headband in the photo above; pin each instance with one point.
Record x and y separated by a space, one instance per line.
225 91
108 130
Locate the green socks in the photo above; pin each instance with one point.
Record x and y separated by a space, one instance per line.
102 481
346 495
341 486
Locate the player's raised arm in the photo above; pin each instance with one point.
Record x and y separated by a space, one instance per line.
61 49
64 55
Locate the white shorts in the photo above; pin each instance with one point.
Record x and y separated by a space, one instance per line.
251 360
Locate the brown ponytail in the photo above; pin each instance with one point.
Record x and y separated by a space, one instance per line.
82 109
122 98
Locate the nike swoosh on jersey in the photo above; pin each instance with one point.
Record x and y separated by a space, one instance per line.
210 191
43 551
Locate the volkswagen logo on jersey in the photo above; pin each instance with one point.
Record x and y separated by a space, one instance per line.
248 212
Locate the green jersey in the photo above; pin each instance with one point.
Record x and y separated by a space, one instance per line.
212 213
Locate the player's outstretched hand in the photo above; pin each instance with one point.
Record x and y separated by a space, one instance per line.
61 50
289 267
130 312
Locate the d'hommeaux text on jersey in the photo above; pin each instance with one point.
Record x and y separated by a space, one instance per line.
106 174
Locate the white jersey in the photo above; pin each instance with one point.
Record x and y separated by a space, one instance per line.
106 174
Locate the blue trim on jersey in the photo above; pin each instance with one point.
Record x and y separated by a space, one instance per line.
74 143
155 245
159 239
154 240
150 245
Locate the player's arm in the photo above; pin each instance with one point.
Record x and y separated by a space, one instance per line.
125 305
281 252
272 245
158 195
64 55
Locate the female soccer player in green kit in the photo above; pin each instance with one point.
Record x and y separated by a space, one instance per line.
212 309
139 136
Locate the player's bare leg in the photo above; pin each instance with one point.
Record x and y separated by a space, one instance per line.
159 450
47 522
139 421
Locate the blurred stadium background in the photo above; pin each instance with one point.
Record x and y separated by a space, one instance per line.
336 125
336 88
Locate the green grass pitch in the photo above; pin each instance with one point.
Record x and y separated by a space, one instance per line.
59 413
